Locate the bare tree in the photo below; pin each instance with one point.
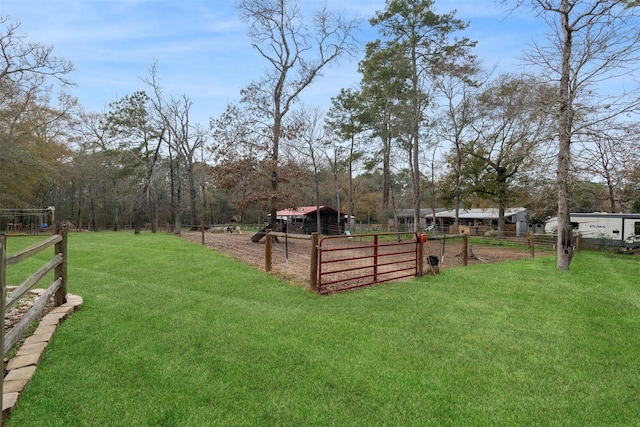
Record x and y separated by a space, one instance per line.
609 155
456 86
591 43
296 49
27 119
184 139
313 139
334 152
25 62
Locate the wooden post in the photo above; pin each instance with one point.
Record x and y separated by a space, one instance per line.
202 231
3 267
578 243
313 268
420 257
465 248
267 250
61 270
375 257
532 245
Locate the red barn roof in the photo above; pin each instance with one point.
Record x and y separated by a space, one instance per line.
305 210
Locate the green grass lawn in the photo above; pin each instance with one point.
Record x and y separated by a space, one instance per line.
173 334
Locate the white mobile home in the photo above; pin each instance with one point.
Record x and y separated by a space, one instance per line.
599 225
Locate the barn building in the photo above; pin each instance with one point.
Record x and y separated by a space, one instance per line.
303 220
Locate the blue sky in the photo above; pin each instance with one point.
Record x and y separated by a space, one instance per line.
203 51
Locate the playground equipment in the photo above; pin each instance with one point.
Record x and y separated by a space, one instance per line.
27 221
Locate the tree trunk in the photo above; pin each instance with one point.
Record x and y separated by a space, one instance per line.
565 234
94 215
116 206
318 217
152 211
416 186
612 194
386 174
502 200
176 196
457 190
277 129
192 196
415 138
501 209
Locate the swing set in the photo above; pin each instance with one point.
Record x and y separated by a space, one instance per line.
27 221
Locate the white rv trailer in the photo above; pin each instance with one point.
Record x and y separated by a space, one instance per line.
623 228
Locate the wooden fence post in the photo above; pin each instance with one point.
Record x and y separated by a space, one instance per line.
465 249
420 256
61 270
375 257
313 269
532 245
267 250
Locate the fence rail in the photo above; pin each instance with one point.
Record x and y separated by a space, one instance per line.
57 289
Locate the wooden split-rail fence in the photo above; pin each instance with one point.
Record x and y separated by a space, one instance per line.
56 290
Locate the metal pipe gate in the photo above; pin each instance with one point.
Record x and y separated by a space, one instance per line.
353 261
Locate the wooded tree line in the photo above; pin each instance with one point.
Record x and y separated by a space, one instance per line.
428 125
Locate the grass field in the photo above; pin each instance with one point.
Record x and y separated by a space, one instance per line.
173 334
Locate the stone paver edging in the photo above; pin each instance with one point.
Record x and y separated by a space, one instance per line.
21 368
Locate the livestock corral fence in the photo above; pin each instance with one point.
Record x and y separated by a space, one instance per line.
344 262
589 243
337 263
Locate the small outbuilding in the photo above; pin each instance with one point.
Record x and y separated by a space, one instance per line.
304 220
404 218
479 221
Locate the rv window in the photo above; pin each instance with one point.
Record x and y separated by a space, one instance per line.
636 228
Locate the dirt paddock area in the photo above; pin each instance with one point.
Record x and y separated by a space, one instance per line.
291 257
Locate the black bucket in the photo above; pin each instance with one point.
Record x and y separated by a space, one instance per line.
433 260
